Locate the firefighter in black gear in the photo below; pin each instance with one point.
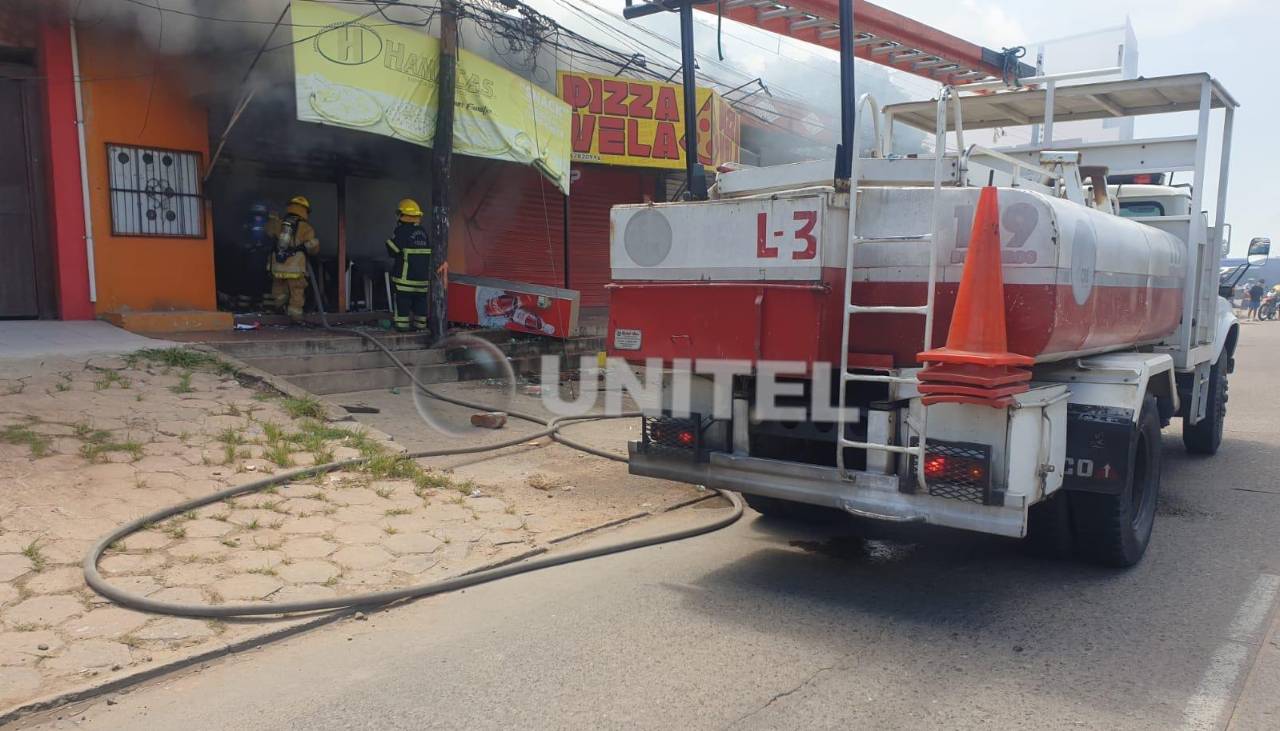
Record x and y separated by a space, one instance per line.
410 248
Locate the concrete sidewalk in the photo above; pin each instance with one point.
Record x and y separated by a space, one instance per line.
40 338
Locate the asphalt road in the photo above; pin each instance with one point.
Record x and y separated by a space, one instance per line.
774 626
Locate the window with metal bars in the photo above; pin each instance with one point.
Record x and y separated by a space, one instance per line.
155 192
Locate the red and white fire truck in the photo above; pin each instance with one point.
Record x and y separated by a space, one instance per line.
1001 334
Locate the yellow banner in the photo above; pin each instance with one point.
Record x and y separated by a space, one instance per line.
367 75
619 121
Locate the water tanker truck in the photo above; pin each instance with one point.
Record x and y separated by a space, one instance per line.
988 340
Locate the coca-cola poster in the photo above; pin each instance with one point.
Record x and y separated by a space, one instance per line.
525 308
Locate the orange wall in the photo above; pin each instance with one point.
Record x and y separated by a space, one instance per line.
129 99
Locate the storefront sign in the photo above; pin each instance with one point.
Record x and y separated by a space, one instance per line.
364 75
525 308
620 121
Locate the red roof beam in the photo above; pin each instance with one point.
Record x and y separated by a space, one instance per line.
920 49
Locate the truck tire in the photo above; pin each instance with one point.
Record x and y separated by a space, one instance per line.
1206 437
772 507
1114 530
1049 528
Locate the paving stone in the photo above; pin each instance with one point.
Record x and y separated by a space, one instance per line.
302 490
449 512
141 585
412 543
353 496
311 571
180 595
13 565
18 684
461 534
413 563
314 524
499 521
15 542
360 580
192 574
486 504
361 557
43 611
246 586
131 563
359 533
89 655
250 560
146 541
201 548
65 550
55 581
207 528
23 648
354 514
420 523
105 622
247 517
8 594
265 539
308 548
174 629
164 463
302 507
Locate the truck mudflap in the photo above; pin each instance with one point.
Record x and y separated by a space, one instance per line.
1100 447
867 495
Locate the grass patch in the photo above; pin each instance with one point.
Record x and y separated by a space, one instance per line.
389 530
178 357
184 383
21 435
109 379
303 407
262 571
35 556
175 531
279 454
392 512
272 432
96 451
232 436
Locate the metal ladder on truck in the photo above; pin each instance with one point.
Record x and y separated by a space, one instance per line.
917 450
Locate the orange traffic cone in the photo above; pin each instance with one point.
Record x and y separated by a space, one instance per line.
975 365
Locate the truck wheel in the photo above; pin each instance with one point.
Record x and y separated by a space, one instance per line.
1206 437
1049 528
772 507
1114 530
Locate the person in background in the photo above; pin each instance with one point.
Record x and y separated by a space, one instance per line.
255 247
1255 298
295 240
410 250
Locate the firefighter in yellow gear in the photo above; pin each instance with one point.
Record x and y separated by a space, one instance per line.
295 240
410 250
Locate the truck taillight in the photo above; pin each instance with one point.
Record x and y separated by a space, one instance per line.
958 470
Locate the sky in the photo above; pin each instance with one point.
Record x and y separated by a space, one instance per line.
1226 38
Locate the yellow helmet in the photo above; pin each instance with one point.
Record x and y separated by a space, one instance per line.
409 208
299 200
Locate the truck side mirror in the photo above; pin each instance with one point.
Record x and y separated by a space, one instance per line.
1259 250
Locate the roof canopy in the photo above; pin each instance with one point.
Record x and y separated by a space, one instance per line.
1102 100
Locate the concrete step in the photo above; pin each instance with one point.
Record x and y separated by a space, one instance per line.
304 344
366 379
289 365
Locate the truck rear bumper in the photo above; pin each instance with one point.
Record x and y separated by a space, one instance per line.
867 495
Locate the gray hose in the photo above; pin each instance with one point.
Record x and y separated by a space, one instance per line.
135 601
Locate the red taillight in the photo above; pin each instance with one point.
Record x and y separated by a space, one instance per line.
935 466
1142 179
685 438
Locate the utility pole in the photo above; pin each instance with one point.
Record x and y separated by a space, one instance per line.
441 161
695 174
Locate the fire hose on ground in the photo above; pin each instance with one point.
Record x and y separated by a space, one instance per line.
375 599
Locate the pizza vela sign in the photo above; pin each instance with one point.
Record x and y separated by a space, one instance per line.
620 121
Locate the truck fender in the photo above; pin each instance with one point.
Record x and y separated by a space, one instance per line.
1226 335
1103 411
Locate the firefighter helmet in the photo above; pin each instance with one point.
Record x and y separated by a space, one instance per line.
299 200
409 208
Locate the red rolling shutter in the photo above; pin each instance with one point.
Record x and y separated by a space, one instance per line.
513 226
595 190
